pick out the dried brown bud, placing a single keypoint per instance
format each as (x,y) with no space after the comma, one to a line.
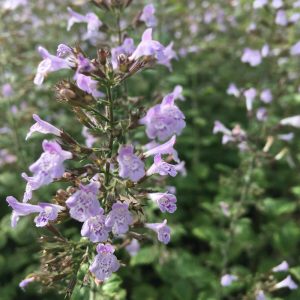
(70,93)
(103,55)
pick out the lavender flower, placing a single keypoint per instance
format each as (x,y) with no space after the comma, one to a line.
(47,212)
(166,148)
(162,229)
(148,47)
(7,90)
(42,127)
(148,16)
(252,57)
(260,296)
(266,96)
(295,49)
(93,22)
(161,167)
(48,167)
(265,50)
(130,165)
(227,279)
(95,229)
(277,4)
(105,262)
(89,138)
(177,93)
(291,121)
(89,85)
(50,63)
(259,3)
(126,48)
(164,120)
(284,266)
(286,283)
(233,90)
(281,18)
(25,282)
(133,248)
(165,201)
(84,203)
(286,137)
(119,218)
(250,95)
(169,54)
(262,114)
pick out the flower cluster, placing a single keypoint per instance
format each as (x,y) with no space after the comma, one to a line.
(106,193)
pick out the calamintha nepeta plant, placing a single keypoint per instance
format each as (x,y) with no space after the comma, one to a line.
(108,185)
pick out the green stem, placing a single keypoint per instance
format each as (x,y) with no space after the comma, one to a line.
(110,117)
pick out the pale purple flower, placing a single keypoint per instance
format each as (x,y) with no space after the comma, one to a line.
(225,208)
(177,93)
(266,96)
(87,84)
(162,229)
(262,114)
(105,262)
(148,47)
(42,127)
(180,168)
(219,127)
(286,137)
(282,267)
(260,296)
(165,201)
(250,95)
(7,90)
(89,138)
(23,284)
(126,48)
(296,4)
(281,18)
(227,279)
(84,65)
(6,157)
(166,148)
(277,3)
(64,51)
(46,211)
(84,203)
(94,228)
(259,3)
(130,165)
(164,120)
(286,283)
(133,248)
(48,167)
(265,50)
(161,167)
(291,121)
(50,63)
(252,57)
(294,18)
(93,22)
(295,49)
(148,16)
(119,218)
(169,54)
(13,4)
(233,90)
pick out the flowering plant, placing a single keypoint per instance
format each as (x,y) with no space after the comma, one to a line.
(105,184)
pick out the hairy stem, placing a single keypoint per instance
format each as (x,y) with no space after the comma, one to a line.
(110,117)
